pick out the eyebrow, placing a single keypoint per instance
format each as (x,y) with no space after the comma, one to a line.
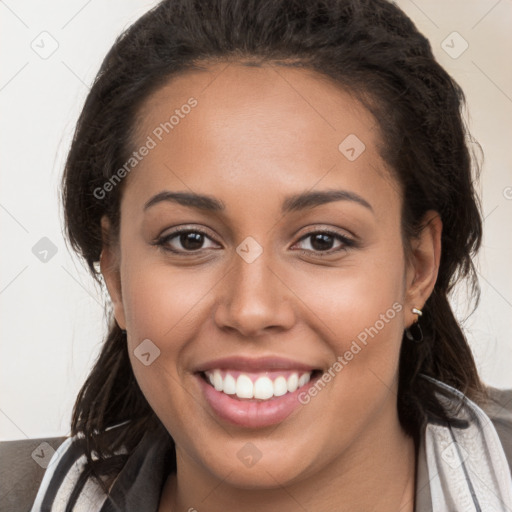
(294,203)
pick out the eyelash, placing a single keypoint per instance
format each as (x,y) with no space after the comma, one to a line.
(164,240)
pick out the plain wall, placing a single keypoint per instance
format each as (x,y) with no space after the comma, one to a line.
(52,315)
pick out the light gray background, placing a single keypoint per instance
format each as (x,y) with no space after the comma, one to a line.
(52,314)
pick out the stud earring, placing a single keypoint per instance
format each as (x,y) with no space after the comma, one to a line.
(414,332)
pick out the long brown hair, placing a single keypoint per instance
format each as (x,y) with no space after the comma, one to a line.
(369,47)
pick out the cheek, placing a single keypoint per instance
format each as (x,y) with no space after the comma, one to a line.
(161,301)
(164,305)
(351,300)
(358,311)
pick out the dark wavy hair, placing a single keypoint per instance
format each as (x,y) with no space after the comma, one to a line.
(371,49)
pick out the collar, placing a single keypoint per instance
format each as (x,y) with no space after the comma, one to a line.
(139,484)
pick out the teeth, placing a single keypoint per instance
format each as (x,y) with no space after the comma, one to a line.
(280,386)
(260,388)
(304,379)
(229,386)
(217,380)
(293,382)
(244,387)
(263,388)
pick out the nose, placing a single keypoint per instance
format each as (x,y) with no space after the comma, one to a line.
(255,299)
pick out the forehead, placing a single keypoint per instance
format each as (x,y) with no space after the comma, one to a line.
(256,129)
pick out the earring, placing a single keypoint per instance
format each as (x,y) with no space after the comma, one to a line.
(414,332)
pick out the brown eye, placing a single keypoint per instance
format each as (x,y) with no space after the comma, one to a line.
(182,241)
(323,241)
(191,241)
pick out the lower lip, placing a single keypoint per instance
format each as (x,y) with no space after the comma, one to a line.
(248,413)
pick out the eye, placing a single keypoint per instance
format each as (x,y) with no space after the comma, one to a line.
(322,242)
(190,240)
(187,241)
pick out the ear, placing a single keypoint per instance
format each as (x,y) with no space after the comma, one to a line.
(109,265)
(423,264)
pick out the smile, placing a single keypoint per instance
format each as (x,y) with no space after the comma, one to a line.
(258,386)
(257,394)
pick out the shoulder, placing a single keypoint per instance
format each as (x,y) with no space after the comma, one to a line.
(65,480)
(499,410)
(62,477)
(67,484)
(468,459)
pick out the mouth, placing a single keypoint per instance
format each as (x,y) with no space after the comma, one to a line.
(257,386)
(254,399)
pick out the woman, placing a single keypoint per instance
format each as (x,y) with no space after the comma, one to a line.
(279,196)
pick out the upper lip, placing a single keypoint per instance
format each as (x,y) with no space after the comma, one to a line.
(248,364)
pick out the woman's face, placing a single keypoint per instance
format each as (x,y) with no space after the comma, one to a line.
(255,297)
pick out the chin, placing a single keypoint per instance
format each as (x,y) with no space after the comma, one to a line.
(268,472)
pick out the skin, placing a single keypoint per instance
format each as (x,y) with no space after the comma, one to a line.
(257,135)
